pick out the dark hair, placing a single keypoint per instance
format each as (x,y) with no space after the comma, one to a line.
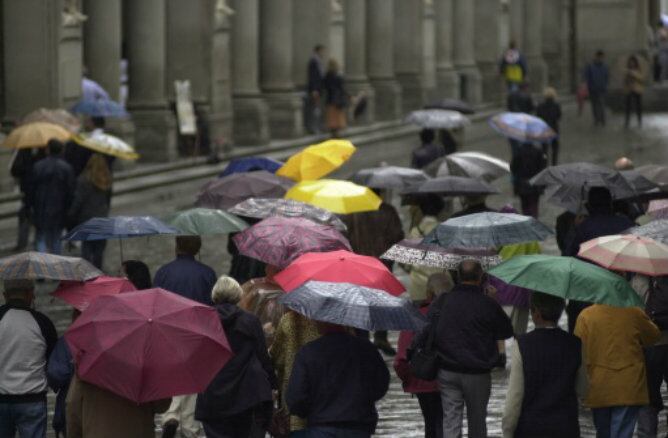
(547,306)
(427,136)
(469,270)
(138,274)
(189,245)
(512,44)
(599,199)
(98,122)
(318,47)
(430,204)
(600,53)
(633,62)
(55,147)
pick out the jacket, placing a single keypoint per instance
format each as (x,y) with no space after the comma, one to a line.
(410,383)
(520,102)
(634,81)
(372,233)
(88,202)
(597,77)
(550,111)
(425,154)
(527,162)
(419,275)
(50,194)
(59,373)
(597,225)
(613,339)
(314,75)
(187,277)
(335,93)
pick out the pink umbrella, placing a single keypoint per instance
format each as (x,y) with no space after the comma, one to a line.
(628,253)
(80,294)
(148,345)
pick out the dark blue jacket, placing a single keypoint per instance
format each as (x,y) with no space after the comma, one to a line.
(187,277)
(59,372)
(51,188)
(597,76)
(597,225)
(425,154)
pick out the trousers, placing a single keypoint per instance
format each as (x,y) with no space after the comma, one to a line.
(616,421)
(182,410)
(28,419)
(598,107)
(459,390)
(432,412)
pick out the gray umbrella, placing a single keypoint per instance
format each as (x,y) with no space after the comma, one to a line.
(656,173)
(438,119)
(487,230)
(471,164)
(353,306)
(453,186)
(413,252)
(262,208)
(657,230)
(389,177)
(451,104)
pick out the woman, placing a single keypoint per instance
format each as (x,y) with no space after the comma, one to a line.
(550,111)
(92,198)
(138,274)
(634,81)
(336,99)
(241,393)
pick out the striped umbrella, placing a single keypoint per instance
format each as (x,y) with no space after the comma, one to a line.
(628,253)
(35,265)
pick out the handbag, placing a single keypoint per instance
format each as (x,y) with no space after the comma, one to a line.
(425,360)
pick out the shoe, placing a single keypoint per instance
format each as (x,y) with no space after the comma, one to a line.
(169,429)
(384,346)
(501,361)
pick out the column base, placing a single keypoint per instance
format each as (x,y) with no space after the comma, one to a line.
(537,76)
(155,134)
(250,120)
(413,94)
(388,98)
(359,88)
(220,131)
(470,84)
(285,115)
(447,83)
(492,86)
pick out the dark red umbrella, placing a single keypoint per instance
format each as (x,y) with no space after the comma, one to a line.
(148,345)
(79,294)
(228,191)
(279,240)
(339,267)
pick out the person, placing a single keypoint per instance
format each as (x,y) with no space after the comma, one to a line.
(550,111)
(448,141)
(336,99)
(634,81)
(21,169)
(519,100)
(597,77)
(260,297)
(527,163)
(612,343)
(52,184)
(92,198)
(513,67)
(59,372)
(315,73)
(335,383)
(91,90)
(138,273)
(472,204)
(428,151)
(241,392)
(76,155)
(243,268)
(28,338)
(662,45)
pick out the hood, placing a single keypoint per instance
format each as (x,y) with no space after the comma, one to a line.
(228,313)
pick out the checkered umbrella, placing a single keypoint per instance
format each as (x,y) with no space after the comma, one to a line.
(353,306)
(657,230)
(262,208)
(412,252)
(36,265)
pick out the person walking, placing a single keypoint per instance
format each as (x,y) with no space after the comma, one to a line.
(547,376)
(527,162)
(597,76)
(513,67)
(519,100)
(138,273)
(550,111)
(314,74)
(336,99)
(634,86)
(428,150)
(59,372)
(21,170)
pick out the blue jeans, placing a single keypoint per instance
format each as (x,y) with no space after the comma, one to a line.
(48,240)
(616,421)
(28,419)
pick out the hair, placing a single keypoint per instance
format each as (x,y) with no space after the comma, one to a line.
(512,44)
(549,93)
(333,65)
(97,172)
(138,274)
(54,147)
(547,306)
(318,47)
(98,122)
(468,201)
(599,199)
(226,290)
(469,271)
(600,53)
(430,204)
(427,135)
(438,283)
(632,62)
(189,245)
(18,288)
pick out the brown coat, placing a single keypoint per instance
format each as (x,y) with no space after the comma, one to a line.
(93,412)
(373,232)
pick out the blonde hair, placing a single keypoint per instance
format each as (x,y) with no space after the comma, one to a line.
(226,290)
(550,93)
(97,172)
(333,65)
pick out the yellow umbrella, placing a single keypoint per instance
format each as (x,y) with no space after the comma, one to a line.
(108,145)
(317,160)
(56,116)
(341,197)
(35,135)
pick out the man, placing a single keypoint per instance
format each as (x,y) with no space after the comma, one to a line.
(613,339)
(315,75)
(21,170)
(597,77)
(520,100)
(335,383)
(546,377)
(513,67)
(468,324)
(28,337)
(189,278)
(428,151)
(528,160)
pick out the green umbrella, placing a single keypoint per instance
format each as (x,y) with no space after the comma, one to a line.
(205,221)
(569,278)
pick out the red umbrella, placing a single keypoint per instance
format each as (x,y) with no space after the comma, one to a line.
(80,294)
(339,267)
(148,345)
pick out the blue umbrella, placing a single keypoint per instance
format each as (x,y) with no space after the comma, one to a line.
(249,164)
(522,127)
(100,108)
(118,227)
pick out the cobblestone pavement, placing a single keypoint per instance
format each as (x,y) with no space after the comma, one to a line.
(399,413)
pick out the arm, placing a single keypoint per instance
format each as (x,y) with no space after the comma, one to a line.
(514,395)
(581,379)
(649,332)
(401,365)
(297,394)
(381,375)
(504,328)
(80,193)
(59,369)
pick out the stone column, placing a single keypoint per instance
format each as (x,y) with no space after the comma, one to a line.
(357,81)
(464,51)
(553,53)
(517,22)
(312,20)
(220,117)
(380,59)
(487,17)
(533,44)
(408,23)
(155,124)
(102,43)
(447,79)
(429,51)
(250,112)
(285,116)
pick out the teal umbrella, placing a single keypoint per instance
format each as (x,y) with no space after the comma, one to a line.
(205,221)
(569,278)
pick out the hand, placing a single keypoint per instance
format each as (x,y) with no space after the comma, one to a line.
(490,291)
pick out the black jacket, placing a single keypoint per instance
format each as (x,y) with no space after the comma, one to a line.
(247,378)
(335,93)
(527,162)
(425,154)
(550,112)
(50,194)
(89,202)
(314,75)
(521,102)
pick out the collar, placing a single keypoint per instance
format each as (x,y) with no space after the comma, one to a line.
(185,256)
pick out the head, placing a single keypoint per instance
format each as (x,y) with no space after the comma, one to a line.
(54,147)
(512,45)
(19,291)
(97,172)
(427,136)
(550,93)
(226,291)
(188,245)
(633,62)
(138,274)
(470,201)
(319,50)
(624,163)
(430,204)
(438,283)
(599,200)
(470,272)
(599,56)
(333,65)
(92,123)
(546,309)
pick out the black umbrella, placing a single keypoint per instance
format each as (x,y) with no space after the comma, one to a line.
(656,173)
(389,177)
(453,186)
(451,104)
(228,191)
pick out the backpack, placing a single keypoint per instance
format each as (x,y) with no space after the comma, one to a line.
(657,302)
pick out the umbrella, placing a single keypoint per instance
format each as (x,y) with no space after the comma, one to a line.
(413,252)
(522,127)
(232,189)
(58,116)
(279,240)
(657,230)
(568,278)
(205,221)
(133,344)
(451,104)
(35,135)
(656,173)
(487,230)
(453,186)
(80,294)
(248,164)
(317,160)
(628,253)
(37,265)
(262,208)
(340,267)
(658,209)
(118,227)
(470,164)
(352,305)
(438,119)
(106,144)
(341,197)
(100,108)
(389,177)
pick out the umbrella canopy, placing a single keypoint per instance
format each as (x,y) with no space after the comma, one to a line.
(568,278)
(106,144)
(522,127)
(453,186)
(451,104)
(657,230)
(118,227)
(389,177)
(317,160)
(340,267)
(487,230)
(628,253)
(205,221)
(341,197)
(133,344)
(80,294)
(248,164)
(658,209)
(438,119)
(230,190)
(36,265)
(656,173)
(58,116)
(413,252)
(279,240)
(262,208)
(35,135)
(352,305)
(470,164)
(100,108)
